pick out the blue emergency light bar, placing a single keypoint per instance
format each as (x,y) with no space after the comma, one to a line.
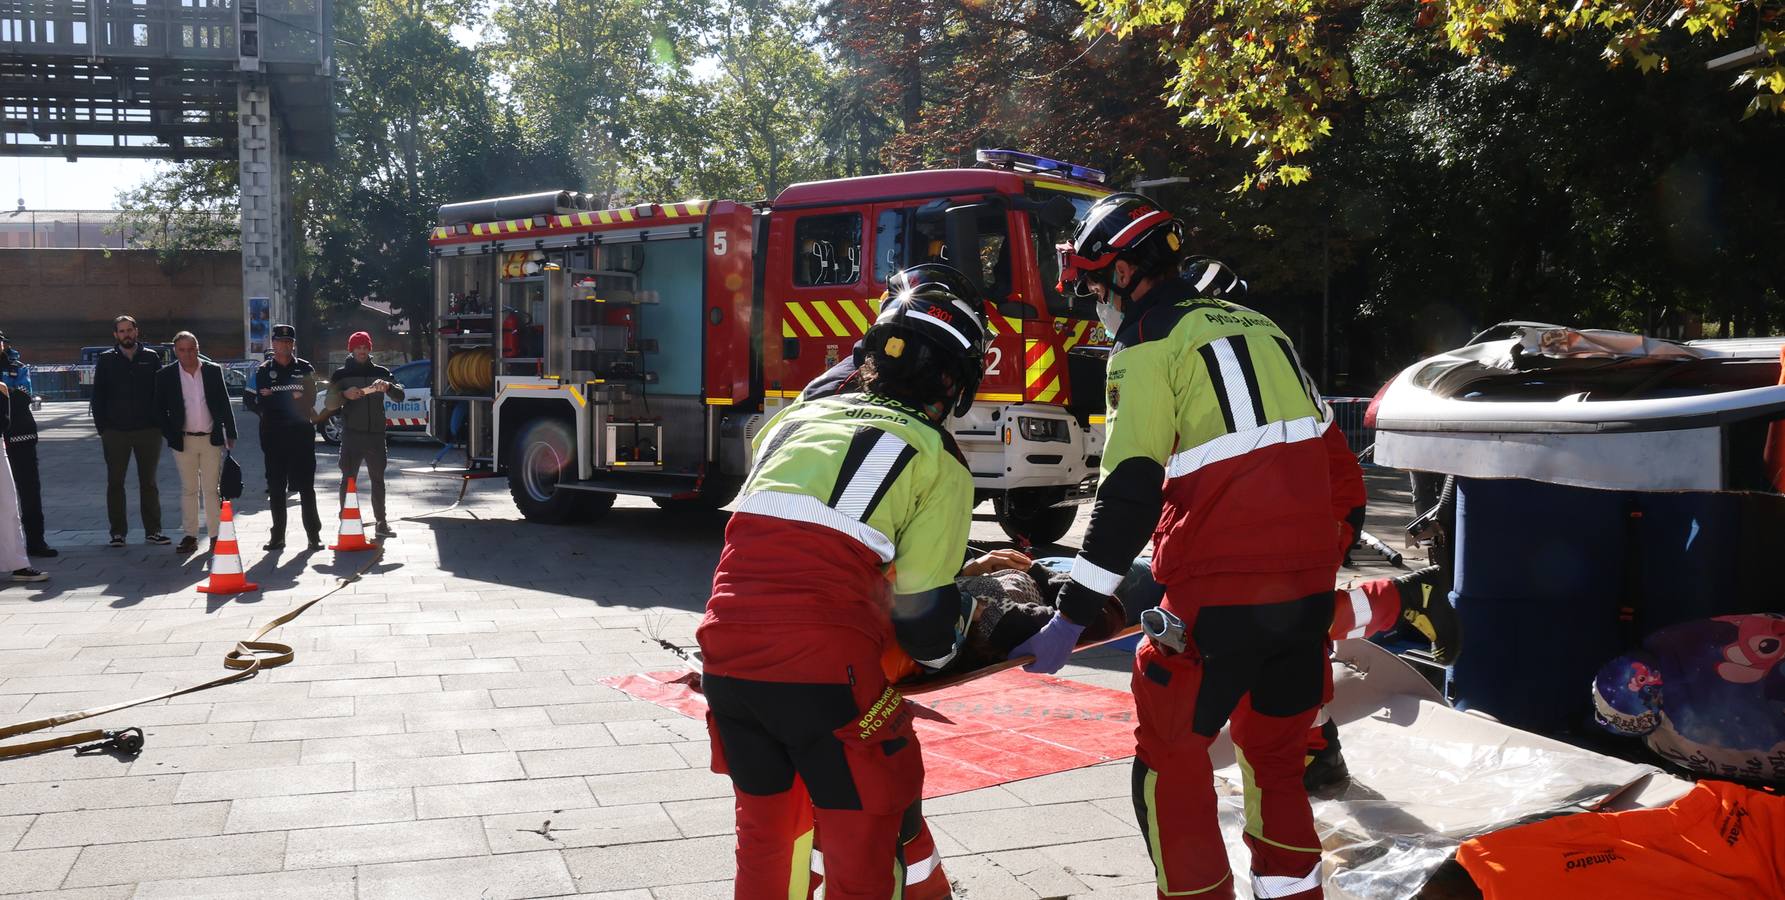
(1029,162)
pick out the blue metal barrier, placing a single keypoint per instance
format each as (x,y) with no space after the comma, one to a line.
(62,382)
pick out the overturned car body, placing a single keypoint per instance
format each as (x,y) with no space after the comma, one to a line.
(1595,409)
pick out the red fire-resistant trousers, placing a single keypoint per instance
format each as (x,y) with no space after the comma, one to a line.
(1265,667)
(839,759)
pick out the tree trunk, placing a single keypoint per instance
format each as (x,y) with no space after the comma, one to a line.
(772,183)
(911,107)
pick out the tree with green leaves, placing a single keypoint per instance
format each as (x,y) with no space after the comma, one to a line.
(1549,186)
(587,76)
(750,122)
(1272,74)
(774,80)
(185,207)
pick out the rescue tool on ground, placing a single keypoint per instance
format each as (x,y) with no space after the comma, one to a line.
(636,350)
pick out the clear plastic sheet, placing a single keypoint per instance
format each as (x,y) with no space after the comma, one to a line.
(1424,778)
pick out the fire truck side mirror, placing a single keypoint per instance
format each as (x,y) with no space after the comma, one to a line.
(1017,309)
(1054,212)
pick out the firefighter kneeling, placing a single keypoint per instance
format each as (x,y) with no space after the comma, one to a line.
(847,536)
(1215,436)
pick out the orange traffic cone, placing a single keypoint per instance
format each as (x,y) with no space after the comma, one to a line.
(226,560)
(353,533)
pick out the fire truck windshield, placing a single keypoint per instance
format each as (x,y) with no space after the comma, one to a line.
(991,233)
(1046,237)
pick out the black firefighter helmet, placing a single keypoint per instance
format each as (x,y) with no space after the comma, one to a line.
(932,316)
(1119,226)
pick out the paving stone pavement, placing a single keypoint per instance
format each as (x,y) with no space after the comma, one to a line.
(442,732)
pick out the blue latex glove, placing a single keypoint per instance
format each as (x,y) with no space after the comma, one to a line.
(1050,646)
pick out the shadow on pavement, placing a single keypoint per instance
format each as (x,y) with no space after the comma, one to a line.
(633,556)
(344,565)
(149,573)
(271,575)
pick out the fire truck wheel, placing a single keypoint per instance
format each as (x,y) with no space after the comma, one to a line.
(1030,516)
(542,457)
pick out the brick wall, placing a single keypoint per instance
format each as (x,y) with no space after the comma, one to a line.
(54,302)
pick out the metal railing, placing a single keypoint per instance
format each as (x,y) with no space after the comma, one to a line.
(62,382)
(1348,414)
(291,31)
(68,229)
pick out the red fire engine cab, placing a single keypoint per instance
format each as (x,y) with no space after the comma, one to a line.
(593,352)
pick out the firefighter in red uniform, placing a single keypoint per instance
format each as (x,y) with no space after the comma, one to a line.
(1214,434)
(848,534)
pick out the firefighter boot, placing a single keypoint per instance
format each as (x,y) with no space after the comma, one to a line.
(1325,764)
(1430,613)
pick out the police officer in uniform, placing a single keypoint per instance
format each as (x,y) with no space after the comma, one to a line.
(287,388)
(21,448)
(847,537)
(1215,449)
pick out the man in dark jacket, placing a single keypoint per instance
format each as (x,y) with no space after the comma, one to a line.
(21,447)
(286,386)
(124,412)
(358,389)
(199,426)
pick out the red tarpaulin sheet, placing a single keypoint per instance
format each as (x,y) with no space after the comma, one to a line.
(998,729)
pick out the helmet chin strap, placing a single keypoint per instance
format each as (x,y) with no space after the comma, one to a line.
(1125,293)
(958,401)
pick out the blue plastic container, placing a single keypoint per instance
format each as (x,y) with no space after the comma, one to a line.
(1689,563)
(1545,574)
(1539,579)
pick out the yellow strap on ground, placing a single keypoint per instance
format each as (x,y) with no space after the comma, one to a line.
(248,657)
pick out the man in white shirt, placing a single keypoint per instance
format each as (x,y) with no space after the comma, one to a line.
(199,424)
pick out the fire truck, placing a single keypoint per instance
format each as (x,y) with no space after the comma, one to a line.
(586,353)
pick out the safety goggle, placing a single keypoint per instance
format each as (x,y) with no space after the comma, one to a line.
(1076,272)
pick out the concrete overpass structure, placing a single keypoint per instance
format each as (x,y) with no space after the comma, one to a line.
(251,80)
